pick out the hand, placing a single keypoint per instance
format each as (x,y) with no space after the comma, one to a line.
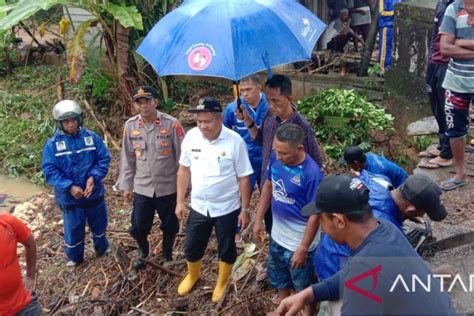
(76,192)
(245,116)
(244,219)
(239,114)
(258,230)
(180,211)
(355,173)
(29,283)
(128,196)
(291,305)
(300,256)
(417,219)
(89,187)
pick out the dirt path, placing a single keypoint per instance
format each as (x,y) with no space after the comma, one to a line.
(459,204)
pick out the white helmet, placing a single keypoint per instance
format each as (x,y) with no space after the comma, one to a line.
(67,109)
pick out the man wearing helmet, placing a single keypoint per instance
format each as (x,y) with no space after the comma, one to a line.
(75,161)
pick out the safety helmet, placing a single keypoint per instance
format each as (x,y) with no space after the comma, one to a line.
(67,109)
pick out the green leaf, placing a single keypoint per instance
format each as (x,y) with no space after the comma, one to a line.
(77,52)
(127,16)
(24,10)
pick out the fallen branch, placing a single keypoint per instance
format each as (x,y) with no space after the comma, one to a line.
(171,272)
(243,301)
(101,125)
(141,311)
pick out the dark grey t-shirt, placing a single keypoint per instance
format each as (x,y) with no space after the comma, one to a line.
(378,279)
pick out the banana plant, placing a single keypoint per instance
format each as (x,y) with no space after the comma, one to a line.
(126,16)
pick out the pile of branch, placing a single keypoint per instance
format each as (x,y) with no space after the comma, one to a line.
(110,286)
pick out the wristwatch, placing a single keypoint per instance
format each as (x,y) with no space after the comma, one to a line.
(245,209)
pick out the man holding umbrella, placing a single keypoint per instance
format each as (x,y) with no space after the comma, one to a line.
(216,160)
(282,111)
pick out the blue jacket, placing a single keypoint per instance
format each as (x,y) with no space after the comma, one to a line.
(387,12)
(71,160)
(330,256)
(379,165)
(230,121)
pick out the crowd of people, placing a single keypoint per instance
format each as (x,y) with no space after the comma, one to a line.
(324,230)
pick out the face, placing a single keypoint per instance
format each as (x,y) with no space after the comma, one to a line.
(70,126)
(278,104)
(250,92)
(469,7)
(411,211)
(209,124)
(287,154)
(356,166)
(146,107)
(333,225)
(345,16)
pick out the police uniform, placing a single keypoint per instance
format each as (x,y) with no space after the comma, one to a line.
(148,166)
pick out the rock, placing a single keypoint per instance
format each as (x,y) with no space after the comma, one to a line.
(425,126)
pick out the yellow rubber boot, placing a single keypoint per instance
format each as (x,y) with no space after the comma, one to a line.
(194,272)
(225,269)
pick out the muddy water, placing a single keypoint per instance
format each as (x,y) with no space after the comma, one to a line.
(17,191)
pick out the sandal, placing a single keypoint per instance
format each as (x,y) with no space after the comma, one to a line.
(451,184)
(427,165)
(428,153)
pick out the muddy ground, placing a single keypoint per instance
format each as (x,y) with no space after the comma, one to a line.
(109,286)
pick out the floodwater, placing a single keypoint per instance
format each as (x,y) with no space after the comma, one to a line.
(17,190)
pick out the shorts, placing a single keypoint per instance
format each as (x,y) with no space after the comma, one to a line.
(280,274)
(456,108)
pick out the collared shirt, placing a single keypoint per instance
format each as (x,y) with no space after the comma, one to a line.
(267,132)
(150,154)
(215,168)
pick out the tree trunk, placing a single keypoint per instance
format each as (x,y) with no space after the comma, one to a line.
(126,82)
(371,39)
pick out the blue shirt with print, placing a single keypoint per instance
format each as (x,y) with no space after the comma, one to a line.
(292,188)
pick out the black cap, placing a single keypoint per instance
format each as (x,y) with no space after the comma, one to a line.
(352,154)
(145,92)
(424,193)
(208,104)
(339,193)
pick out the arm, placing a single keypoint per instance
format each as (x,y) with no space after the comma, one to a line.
(228,116)
(263,205)
(311,145)
(254,130)
(30,255)
(450,49)
(182,183)
(178,136)
(54,176)
(100,169)
(300,256)
(327,290)
(465,43)
(127,166)
(244,185)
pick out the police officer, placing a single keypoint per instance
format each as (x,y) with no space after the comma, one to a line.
(75,161)
(148,164)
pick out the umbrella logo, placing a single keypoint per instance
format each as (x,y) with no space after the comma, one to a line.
(199,58)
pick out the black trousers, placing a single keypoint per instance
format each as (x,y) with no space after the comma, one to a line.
(434,84)
(143,213)
(199,229)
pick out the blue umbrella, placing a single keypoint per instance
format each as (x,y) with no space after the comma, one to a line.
(230,38)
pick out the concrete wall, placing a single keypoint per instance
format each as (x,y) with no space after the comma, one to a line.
(78,16)
(405,80)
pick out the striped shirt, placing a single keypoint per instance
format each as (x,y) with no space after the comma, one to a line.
(267,132)
(460,74)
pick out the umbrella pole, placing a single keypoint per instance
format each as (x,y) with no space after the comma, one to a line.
(236,90)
